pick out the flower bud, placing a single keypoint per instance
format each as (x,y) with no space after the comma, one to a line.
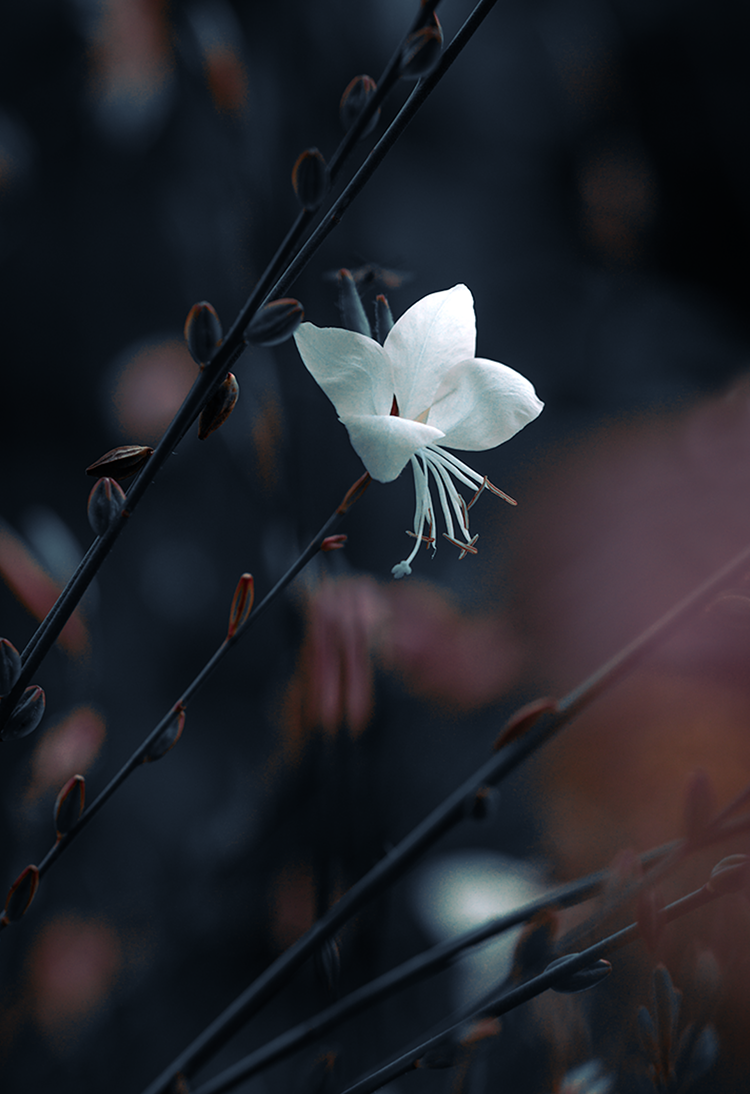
(333,543)
(355,98)
(581,979)
(203,332)
(69,804)
(26,715)
(275,322)
(350,305)
(120,463)
(168,737)
(20,895)
(242,604)
(383,318)
(730,875)
(10,665)
(219,407)
(106,502)
(422,51)
(310,179)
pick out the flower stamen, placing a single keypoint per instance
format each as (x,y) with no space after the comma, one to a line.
(464,548)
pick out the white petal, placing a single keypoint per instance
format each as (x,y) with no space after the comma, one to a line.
(480,404)
(353,370)
(386,444)
(433,335)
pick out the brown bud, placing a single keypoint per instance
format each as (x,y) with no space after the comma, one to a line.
(219,407)
(242,604)
(20,895)
(203,332)
(355,98)
(168,737)
(120,463)
(422,51)
(26,716)
(69,804)
(10,665)
(275,322)
(310,178)
(106,502)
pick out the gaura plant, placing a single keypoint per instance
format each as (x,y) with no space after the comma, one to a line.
(420,393)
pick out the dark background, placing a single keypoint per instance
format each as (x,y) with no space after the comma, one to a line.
(584,168)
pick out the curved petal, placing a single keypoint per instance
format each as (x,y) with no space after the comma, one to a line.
(353,370)
(386,444)
(480,404)
(433,335)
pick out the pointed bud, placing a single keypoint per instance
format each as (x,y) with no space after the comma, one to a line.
(275,322)
(383,318)
(422,50)
(242,604)
(203,332)
(350,305)
(333,543)
(354,493)
(106,502)
(355,98)
(10,665)
(730,875)
(219,407)
(120,463)
(26,716)
(168,737)
(581,979)
(21,893)
(69,804)
(310,179)
(522,721)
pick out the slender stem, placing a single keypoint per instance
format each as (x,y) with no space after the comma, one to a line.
(204,386)
(515,997)
(449,813)
(137,758)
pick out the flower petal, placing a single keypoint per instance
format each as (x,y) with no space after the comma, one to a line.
(433,335)
(386,444)
(480,404)
(353,370)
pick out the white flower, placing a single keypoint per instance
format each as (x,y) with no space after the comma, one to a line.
(421,392)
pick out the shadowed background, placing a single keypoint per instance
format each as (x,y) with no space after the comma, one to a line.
(583,168)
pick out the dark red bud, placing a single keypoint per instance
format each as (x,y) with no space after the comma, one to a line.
(219,407)
(522,721)
(421,51)
(242,604)
(383,318)
(120,463)
(10,665)
(356,96)
(275,322)
(203,332)
(168,737)
(26,715)
(20,895)
(69,804)
(333,543)
(310,178)
(106,502)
